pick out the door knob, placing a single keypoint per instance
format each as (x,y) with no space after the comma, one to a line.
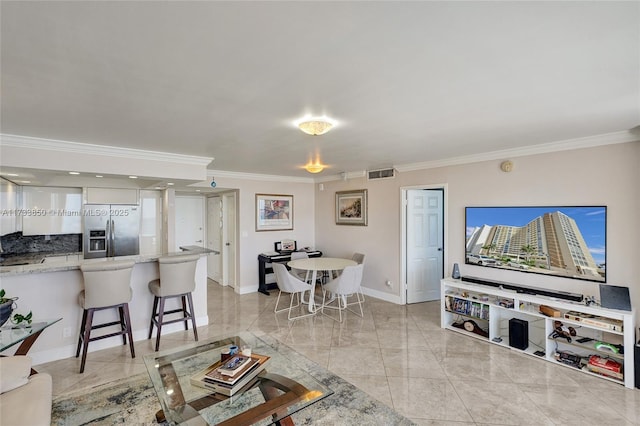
(198,241)
(227,244)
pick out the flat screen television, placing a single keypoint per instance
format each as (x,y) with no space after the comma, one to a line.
(562,241)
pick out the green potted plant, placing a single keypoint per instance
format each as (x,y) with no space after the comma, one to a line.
(7,305)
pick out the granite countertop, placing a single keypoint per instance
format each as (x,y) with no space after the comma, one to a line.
(35,262)
(31,258)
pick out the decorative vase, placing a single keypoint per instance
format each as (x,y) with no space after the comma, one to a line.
(5,310)
(456,272)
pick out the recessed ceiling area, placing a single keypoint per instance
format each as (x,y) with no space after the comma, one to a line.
(408,82)
(38,177)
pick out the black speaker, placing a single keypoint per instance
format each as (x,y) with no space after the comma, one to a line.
(518,333)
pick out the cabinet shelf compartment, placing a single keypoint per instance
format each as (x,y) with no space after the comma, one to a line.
(584,368)
(594,322)
(588,347)
(471,326)
(470,308)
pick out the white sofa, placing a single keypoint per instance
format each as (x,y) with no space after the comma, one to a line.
(25,399)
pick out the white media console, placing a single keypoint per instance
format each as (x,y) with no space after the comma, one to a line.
(595,340)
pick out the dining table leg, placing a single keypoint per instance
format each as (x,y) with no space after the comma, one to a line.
(312,295)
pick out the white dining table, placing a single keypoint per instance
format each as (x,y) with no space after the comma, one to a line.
(315,264)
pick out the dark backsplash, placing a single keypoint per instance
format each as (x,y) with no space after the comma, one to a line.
(17,244)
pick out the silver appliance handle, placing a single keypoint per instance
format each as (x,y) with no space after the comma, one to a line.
(107,239)
(112,237)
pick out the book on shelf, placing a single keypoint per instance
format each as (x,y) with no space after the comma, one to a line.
(212,378)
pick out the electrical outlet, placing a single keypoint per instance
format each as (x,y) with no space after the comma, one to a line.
(66,332)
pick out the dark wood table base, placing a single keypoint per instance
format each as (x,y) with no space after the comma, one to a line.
(278,391)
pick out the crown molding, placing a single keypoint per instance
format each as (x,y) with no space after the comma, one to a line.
(569,144)
(91,149)
(255,176)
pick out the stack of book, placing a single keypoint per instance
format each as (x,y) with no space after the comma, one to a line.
(230,376)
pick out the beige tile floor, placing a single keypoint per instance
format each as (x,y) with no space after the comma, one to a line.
(401,356)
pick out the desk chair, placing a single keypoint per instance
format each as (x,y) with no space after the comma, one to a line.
(107,285)
(346,285)
(288,283)
(358,258)
(177,280)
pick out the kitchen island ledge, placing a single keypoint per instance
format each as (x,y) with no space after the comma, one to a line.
(73,264)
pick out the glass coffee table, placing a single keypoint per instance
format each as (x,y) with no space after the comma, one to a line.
(25,334)
(280,390)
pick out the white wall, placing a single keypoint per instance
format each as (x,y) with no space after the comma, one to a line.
(250,242)
(606,175)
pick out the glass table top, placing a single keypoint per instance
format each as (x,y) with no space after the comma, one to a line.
(11,334)
(182,402)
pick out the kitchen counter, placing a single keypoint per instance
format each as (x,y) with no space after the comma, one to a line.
(50,289)
(37,262)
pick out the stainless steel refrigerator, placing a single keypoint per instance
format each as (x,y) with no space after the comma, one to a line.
(111,230)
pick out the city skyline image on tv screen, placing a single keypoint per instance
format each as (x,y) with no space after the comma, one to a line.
(564,241)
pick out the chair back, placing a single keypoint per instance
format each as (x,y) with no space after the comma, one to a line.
(348,282)
(299,255)
(177,274)
(358,257)
(287,282)
(106,283)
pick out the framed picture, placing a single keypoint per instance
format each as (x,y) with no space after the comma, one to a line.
(274,212)
(351,207)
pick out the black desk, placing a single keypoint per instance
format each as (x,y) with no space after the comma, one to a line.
(264,268)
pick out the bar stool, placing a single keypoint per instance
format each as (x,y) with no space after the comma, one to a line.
(177,279)
(107,285)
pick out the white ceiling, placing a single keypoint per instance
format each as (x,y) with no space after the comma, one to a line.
(408,82)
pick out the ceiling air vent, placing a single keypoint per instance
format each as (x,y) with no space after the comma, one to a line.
(381,174)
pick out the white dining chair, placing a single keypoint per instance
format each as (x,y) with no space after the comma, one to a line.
(356,257)
(288,283)
(303,275)
(341,288)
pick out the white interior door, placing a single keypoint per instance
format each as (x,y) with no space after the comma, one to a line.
(229,239)
(424,244)
(214,238)
(189,221)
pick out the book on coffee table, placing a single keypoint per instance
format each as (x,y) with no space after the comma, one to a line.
(212,377)
(235,365)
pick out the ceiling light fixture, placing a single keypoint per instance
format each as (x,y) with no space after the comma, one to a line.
(74,173)
(315,126)
(314,167)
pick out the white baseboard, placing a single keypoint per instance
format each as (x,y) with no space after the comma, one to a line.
(392,298)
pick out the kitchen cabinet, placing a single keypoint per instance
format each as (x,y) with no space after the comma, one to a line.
(112,196)
(51,210)
(9,205)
